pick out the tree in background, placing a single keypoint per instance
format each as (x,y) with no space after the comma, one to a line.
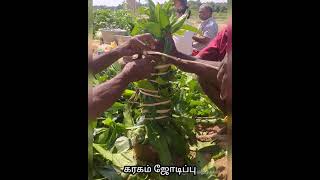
(217,7)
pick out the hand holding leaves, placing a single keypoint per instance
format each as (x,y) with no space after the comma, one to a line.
(138,69)
(137,44)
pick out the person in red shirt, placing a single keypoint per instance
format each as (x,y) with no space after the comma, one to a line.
(216,49)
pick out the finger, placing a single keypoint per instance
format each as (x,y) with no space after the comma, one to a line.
(148,41)
(223,92)
(127,59)
(152,58)
(140,41)
(221,72)
(147,57)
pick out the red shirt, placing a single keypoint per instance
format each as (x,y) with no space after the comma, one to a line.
(216,49)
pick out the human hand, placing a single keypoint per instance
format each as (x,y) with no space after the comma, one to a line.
(139,69)
(137,44)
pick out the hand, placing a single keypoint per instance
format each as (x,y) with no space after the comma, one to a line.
(161,45)
(163,58)
(137,44)
(224,76)
(125,60)
(138,69)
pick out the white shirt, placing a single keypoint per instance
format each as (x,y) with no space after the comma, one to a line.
(208,28)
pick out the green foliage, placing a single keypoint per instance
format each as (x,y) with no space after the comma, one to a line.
(159,24)
(111,19)
(158,140)
(189,99)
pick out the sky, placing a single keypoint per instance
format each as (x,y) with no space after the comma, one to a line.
(117,2)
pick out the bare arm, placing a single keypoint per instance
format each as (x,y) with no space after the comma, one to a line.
(211,89)
(191,64)
(105,94)
(192,58)
(200,68)
(207,72)
(207,76)
(103,61)
(201,39)
(135,45)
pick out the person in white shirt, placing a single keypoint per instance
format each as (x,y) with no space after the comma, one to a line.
(208,28)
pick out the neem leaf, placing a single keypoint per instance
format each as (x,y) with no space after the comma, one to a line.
(152,10)
(119,159)
(145,84)
(154,29)
(122,144)
(157,12)
(159,142)
(180,32)
(189,28)
(127,118)
(180,21)
(164,19)
(128,93)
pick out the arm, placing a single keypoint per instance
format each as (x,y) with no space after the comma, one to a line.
(216,49)
(210,88)
(209,32)
(201,39)
(192,58)
(103,61)
(207,75)
(207,72)
(105,94)
(135,45)
(202,68)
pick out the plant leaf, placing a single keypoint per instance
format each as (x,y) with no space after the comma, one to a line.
(119,159)
(105,154)
(190,28)
(180,21)
(164,19)
(154,29)
(180,32)
(179,144)
(159,142)
(206,167)
(157,12)
(122,144)
(128,93)
(144,10)
(145,84)
(173,19)
(109,173)
(152,10)
(127,118)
